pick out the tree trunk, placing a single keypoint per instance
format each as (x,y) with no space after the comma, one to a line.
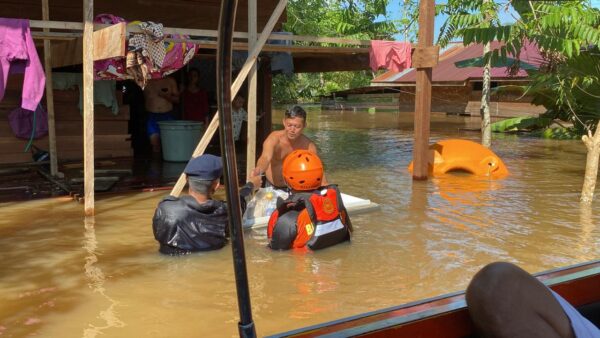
(486,129)
(592,143)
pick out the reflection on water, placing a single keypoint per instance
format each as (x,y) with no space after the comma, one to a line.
(96,281)
(429,238)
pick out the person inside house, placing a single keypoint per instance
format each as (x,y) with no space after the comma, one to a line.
(281,143)
(160,95)
(506,301)
(239,115)
(195,99)
(314,215)
(196,222)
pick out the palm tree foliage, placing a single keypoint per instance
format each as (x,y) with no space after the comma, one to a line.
(563,27)
(568,36)
(563,30)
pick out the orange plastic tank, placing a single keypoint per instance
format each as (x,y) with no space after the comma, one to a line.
(464,155)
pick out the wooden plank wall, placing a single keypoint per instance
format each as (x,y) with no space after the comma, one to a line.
(111,132)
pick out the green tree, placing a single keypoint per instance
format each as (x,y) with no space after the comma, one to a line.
(357,19)
(571,92)
(563,30)
(463,16)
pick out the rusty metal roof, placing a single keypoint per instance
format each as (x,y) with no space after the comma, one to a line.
(446,71)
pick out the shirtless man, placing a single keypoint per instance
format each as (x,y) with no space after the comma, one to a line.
(282,142)
(159,97)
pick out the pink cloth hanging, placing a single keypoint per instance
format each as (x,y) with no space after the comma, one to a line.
(19,56)
(390,55)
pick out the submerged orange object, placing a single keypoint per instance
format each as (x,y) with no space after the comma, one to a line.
(464,155)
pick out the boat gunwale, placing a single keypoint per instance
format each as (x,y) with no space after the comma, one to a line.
(434,307)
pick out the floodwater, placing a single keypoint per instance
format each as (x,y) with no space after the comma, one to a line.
(63,276)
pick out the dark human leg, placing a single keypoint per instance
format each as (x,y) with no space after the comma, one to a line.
(506,301)
(155,142)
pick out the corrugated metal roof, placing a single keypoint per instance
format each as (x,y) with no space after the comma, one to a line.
(447,72)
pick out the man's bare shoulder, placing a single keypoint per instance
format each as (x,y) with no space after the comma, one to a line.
(276,135)
(273,138)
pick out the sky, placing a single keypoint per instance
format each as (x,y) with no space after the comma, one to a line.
(395,11)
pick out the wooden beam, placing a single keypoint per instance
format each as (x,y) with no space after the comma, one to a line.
(56,24)
(426,57)
(109,42)
(308,38)
(423,93)
(235,87)
(281,48)
(49,96)
(252,86)
(266,84)
(202,32)
(45,35)
(199,32)
(330,62)
(88,106)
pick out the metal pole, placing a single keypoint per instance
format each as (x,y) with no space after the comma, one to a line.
(225,38)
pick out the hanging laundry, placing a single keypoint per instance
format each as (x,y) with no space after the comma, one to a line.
(137,68)
(104,90)
(282,61)
(391,55)
(149,56)
(149,42)
(17,56)
(178,55)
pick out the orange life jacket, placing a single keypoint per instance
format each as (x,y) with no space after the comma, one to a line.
(316,219)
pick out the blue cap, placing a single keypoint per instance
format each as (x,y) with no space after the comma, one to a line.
(204,167)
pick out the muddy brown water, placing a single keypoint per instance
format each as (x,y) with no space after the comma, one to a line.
(63,276)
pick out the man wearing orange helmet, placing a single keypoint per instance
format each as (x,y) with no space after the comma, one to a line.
(280,143)
(314,215)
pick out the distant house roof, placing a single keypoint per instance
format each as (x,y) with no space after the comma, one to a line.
(446,71)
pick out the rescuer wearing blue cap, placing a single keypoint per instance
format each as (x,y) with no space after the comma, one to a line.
(196,222)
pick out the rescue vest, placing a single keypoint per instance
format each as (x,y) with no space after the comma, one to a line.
(316,219)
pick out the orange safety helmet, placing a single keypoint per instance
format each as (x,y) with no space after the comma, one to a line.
(303,170)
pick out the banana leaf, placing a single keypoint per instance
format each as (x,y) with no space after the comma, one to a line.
(560,133)
(523,123)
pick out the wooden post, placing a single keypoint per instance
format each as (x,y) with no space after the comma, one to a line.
(266,122)
(88,105)
(423,93)
(235,87)
(49,94)
(252,84)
